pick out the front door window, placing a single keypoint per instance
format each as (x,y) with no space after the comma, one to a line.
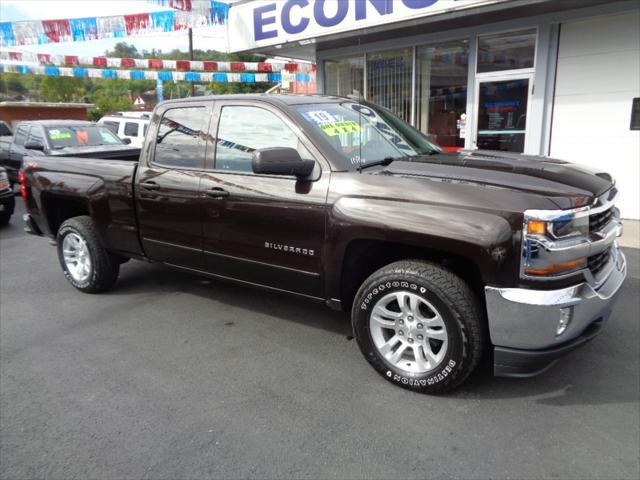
(502,114)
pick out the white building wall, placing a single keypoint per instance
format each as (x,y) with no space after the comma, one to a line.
(598,75)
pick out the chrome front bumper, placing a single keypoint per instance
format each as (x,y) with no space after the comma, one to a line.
(524,322)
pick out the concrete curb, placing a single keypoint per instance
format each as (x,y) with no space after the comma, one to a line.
(630,234)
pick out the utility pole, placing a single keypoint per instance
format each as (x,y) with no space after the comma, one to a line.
(191,86)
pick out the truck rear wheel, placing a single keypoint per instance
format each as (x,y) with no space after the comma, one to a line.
(85,262)
(419,325)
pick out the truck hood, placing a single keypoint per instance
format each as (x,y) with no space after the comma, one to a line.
(569,184)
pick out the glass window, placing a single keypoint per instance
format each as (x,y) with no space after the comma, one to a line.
(131,129)
(635,114)
(113,126)
(502,115)
(181,137)
(144,129)
(389,81)
(506,51)
(362,133)
(35,135)
(21,136)
(242,130)
(344,76)
(81,136)
(441,87)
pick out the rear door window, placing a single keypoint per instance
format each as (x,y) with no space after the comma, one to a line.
(131,129)
(181,139)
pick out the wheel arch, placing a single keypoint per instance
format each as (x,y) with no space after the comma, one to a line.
(364,256)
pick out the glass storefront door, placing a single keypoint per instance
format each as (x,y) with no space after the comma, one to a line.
(502,114)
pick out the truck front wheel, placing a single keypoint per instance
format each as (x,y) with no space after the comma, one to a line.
(85,262)
(419,325)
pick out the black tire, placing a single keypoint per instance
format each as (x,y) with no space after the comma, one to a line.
(5,218)
(458,307)
(104,268)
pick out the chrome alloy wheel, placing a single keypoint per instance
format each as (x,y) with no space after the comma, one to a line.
(408,332)
(76,257)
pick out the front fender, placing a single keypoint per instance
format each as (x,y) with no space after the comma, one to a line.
(486,239)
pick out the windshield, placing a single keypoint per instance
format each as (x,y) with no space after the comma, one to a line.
(364,133)
(81,136)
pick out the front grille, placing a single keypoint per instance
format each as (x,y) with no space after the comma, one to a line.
(597,262)
(597,221)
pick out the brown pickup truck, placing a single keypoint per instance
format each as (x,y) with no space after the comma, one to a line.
(439,257)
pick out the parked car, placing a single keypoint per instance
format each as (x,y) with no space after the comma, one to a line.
(7,199)
(439,257)
(128,125)
(61,138)
(5,130)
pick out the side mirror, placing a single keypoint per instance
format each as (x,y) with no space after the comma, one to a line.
(126,141)
(31,145)
(281,161)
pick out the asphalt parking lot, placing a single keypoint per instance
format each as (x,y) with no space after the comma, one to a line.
(171,376)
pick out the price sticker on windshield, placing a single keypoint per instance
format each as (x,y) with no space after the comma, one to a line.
(58,135)
(339,128)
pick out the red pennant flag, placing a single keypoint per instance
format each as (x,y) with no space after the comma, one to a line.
(57,30)
(136,23)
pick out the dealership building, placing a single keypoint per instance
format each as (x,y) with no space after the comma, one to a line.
(559,78)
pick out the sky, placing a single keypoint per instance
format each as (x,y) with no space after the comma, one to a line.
(18,10)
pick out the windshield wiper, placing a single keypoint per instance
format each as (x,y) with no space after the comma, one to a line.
(384,162)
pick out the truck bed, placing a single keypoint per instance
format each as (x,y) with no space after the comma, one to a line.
(102,188)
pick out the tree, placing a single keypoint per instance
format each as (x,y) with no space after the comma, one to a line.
(61,89)
(110,96)
(123,50)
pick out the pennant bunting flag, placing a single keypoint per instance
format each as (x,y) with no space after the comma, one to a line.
(163,75)
(153,63)
(186,14)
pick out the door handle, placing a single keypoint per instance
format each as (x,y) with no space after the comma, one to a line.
(150,186)
(217,192)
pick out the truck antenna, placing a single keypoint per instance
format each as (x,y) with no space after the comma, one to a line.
(359,98)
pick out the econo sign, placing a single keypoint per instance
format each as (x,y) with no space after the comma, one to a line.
(272,22)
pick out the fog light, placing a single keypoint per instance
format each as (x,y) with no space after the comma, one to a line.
(565,320)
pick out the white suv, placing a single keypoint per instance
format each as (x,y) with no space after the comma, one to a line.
(131,125)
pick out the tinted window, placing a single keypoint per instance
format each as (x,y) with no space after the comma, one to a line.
(113,126)
(5,130)
(21,136)
(181,137)
(81,136)
(131,129)
(635,114)
(144,129)
(506,51)
(35,135)
(245,129)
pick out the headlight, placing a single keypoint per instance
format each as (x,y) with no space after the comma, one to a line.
(565,227)
(549,240)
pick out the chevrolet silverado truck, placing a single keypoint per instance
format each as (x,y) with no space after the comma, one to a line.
(76,138)
(440,257)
